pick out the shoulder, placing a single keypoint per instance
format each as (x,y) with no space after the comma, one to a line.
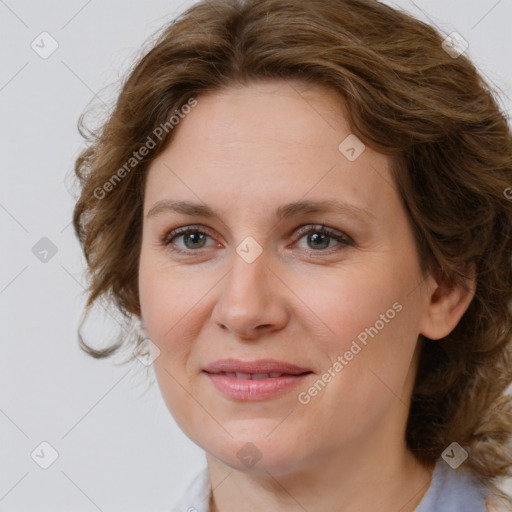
(453,490)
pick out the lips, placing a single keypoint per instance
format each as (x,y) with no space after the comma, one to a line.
(252,376)
(269,367)
(254,380)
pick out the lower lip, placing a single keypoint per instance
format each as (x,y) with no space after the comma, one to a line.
(259,389)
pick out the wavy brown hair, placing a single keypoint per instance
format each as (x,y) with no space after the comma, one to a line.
(434,115)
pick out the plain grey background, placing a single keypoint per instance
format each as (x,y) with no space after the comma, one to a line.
(118,447)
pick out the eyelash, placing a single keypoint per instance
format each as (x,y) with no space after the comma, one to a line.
(303,230)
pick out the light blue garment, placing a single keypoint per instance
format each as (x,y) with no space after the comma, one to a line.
(452,491)
(449,491)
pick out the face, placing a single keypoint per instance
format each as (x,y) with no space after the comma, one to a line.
(287,307)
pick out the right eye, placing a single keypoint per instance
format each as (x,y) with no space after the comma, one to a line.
(193,238)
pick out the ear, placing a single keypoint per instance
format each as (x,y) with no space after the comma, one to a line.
(446,303)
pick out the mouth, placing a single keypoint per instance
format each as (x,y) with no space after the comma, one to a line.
(254,380)
(256,376)
(267,367)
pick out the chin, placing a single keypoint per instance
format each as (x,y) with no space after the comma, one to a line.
(253,450)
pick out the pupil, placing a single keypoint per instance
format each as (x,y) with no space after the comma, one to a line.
(316,236)
(191,236)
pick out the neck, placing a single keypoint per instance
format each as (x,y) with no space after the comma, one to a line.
(387,480)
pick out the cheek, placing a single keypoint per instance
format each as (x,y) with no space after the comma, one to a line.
(370,345)
(167,298)
(167,307)
(172,306)
(349,303)
(371,321)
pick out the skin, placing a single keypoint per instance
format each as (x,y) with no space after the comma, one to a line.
(244,151)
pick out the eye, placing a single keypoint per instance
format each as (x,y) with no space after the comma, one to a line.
(318,237)
(193,238)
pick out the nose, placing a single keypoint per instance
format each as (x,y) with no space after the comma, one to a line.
(252,300)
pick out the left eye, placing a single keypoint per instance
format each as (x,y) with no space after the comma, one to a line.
(320,237)
(195,238)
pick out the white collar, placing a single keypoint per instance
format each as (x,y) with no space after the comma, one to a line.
(197,495)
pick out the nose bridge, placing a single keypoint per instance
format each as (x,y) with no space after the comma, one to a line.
(247,282)
(248,266)
(249,297)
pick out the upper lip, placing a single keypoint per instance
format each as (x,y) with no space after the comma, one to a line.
(259,366)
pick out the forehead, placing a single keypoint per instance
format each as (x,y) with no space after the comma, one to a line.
(266,143)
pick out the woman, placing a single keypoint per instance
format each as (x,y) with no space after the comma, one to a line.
(304,206)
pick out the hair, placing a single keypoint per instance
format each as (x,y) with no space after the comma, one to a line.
(433,114)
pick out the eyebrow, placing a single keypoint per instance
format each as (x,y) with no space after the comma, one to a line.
(285,211)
